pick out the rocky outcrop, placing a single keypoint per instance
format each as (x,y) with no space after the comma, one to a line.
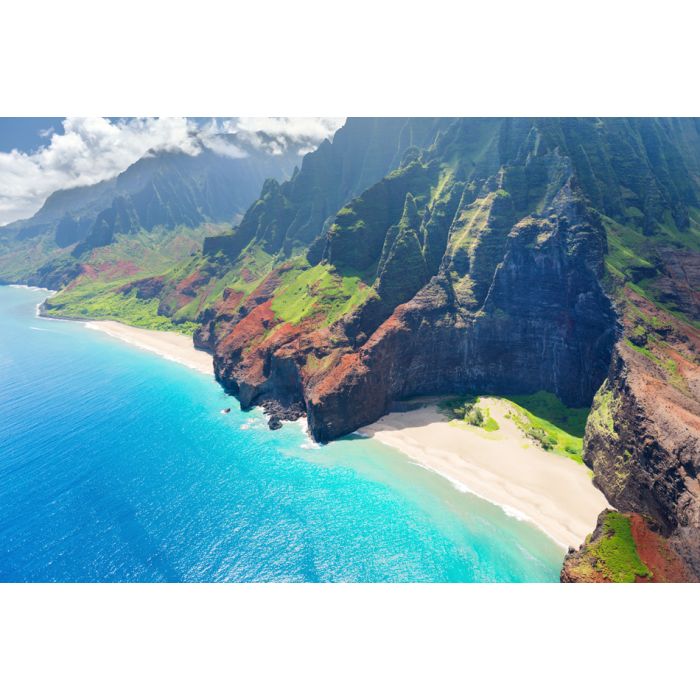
(484,255)
(643,435)
(679,285)
(625,548)
(146,288)
(503,259)
(544,323)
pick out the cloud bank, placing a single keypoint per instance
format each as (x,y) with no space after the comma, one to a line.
(94,149)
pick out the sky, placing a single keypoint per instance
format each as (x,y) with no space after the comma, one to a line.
(41,155)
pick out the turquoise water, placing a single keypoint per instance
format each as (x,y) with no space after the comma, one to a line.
(117,465)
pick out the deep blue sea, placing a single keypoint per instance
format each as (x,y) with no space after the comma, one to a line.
(117,465)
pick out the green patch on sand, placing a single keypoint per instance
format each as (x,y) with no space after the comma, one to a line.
(550,423)
(466,410)
(542,417)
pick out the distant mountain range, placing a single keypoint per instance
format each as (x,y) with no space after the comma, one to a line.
(162,189)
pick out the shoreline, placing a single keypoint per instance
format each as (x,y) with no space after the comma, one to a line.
(169,345)
(33,288)
(552,492)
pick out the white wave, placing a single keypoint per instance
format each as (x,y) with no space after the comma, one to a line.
(252,424)
(309,444)
(33,289)
(463,488)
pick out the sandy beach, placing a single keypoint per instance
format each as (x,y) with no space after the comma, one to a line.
(504,467)
(172,346)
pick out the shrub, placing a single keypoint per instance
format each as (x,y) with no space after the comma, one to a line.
(475,416)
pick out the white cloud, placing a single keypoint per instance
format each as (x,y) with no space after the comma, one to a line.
(93,149)
(278,134)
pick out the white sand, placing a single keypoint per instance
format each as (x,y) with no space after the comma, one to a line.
(172,346)
(503,467)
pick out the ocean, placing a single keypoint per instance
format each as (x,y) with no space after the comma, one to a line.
(117,465)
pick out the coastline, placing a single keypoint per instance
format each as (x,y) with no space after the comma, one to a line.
(169,345)
(31,287)
(413,527)
(554,493)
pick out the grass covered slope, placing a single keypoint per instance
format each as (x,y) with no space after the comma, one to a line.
(625,548)
(663,267)
(541,417)
(610,554)
(317,291)
(100,301)
(122,281)
(554,426)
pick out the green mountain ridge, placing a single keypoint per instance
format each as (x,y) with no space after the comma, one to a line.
(160,192)
(508,256)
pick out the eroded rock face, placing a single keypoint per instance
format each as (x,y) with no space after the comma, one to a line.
(643,437)
(639,555)
(486,255)
(146,288)
(679,286)
(544,323)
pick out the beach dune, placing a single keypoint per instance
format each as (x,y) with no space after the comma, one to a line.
(504,467)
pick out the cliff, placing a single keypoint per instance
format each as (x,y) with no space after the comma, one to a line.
(643,436)
(507,256)
(427,256)
(625,548)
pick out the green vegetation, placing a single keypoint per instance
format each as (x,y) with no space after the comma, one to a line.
(627,251)
(153,251)
(668,365)
(633,259)
(20,259)
(542,417)
(95,301)
(465,408)
(317,291)
(550,423)
(96,293)
(250,268)
(208,277)
(615,554)
(477,244)
(475,416)
(601,418)
(457,406)
(490,424)
(359,230)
